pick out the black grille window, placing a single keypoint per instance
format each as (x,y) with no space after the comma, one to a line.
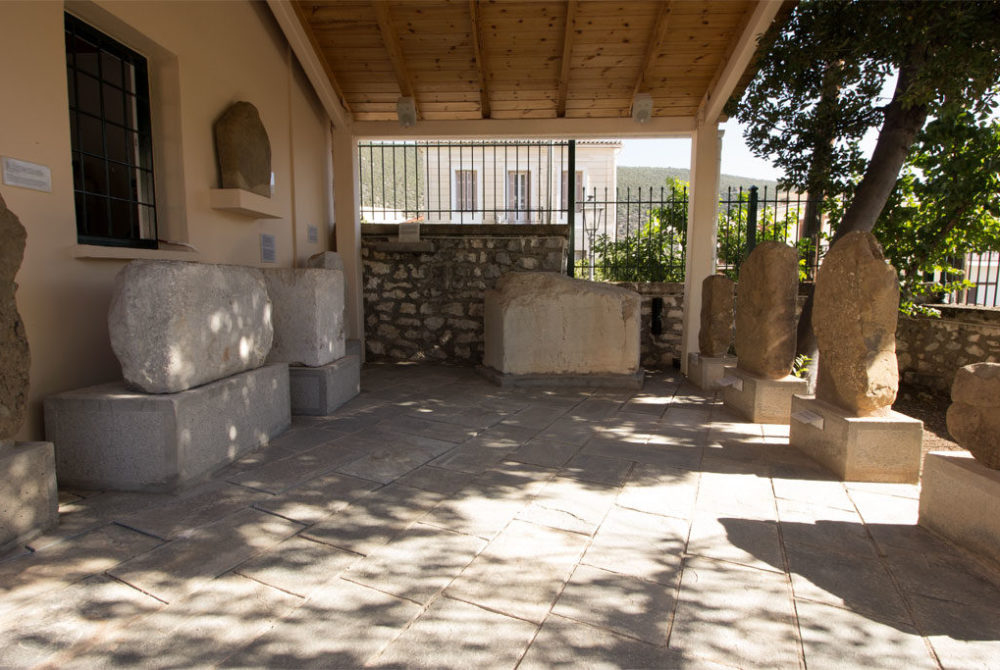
(112,146)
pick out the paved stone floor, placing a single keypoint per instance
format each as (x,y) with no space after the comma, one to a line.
(437,521)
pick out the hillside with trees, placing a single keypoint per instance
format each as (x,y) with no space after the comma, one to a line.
(656,177)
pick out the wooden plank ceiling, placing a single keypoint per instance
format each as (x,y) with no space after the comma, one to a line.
(511,59)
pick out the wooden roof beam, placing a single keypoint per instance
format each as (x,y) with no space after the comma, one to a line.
(732,67)
(390,39)
(567,51)
(657,33)
(294,23)
(479,47)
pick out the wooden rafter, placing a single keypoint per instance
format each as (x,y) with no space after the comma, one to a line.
(479,47)
(390,40)
(567,51)
(657,33)
(303,17)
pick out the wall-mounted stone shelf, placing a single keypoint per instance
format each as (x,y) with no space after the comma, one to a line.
(243,202)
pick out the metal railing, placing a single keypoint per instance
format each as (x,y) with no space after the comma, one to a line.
(982,271)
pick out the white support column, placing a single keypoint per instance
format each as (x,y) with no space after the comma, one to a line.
(347,229)
(703,205)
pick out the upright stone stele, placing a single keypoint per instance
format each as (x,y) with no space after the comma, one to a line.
(760,386)
(959,493)
(243,150)
(849,426)
(28,497)
(715,335)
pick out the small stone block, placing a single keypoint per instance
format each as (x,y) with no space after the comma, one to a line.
(109,437)
(758,399)
(706,371)
(859,449)
(960,499)
(320,391)
(28,498)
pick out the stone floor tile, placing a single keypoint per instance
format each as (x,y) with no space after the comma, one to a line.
(191,509)
(947,574)
(342,626)
(281,475)
(418,563)
(647,404)
(521,572)
(816,492)
(963,637)
(911,491)
(317,498)
(474,513)
(619,603)
(598,469)
(49,628)
(579,506)
(57,566)
(454,634)
(411,425)
(858,583)
(384,463)
(302,438)
(885,508)
(736,615)
(687,416)
(438,480)
(298,566)
(595,409)
(93,509)
(198,631)
(641,545)
(563,643)
(739,495)
(472,457)
(473,417)
(827,528)
(750,542)
(835,638)
(685,457)
(507,435)
(349,425)
(545,452)
(659,490)
(183,565)
(570,430)
(680,434)
(536,416)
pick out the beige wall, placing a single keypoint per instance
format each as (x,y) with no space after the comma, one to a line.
(203,56)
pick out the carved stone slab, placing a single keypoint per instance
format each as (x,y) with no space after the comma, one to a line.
(717,302)
(243,150)
(15,358)
(765,310)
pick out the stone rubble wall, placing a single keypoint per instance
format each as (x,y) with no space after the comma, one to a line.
(930,351)
(424,301)
(659,352)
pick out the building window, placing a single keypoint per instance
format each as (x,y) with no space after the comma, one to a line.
(564,191)
(465,190)
(518,196)
(111,139)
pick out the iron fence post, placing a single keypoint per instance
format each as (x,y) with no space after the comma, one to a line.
(752,220)
(571,206)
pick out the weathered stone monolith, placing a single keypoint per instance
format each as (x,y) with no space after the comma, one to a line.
(327,260)
(243,150)
(855,309)
(765,310)
(14,355)
(308,315)
(716,331)
(974,416)
(176,325)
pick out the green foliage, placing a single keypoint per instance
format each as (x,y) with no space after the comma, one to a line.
(646,178)
(800,368)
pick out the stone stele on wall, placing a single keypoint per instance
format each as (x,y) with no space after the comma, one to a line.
(177,325)
(243,150)
(14,354)
(765,310)
(974,416)
(716,332)
(544,323)
(856,307)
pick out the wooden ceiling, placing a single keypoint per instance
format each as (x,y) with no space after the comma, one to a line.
(515,59)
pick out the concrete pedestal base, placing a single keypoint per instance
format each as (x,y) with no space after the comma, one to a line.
(629,382)
(109,437)
(706,371)
(29,501)
(757,399)
(960,499)
(858,449)
(321,390)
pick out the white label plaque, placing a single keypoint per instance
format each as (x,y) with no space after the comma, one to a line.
(27,175)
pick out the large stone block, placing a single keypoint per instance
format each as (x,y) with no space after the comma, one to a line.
(974,415)
(14,355)
(960,499)
(543,323)
(855,310)
(109,437)
(706,372)
(327,260)
(765,310)
(307,311)
(243,149)
(320,391)
(717,300)
(883,448)
(28,497)
(177,325)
